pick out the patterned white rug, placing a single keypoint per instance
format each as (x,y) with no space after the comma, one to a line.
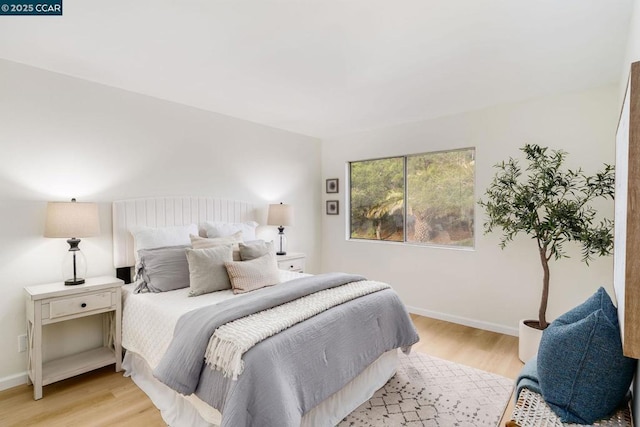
(427,391)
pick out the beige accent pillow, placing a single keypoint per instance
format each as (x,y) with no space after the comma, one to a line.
(247,276)
(198,242)
(207,272)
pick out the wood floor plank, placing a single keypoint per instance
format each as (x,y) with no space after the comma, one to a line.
(106,398)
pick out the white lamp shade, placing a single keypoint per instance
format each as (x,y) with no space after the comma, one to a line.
(280,214)
(72,219)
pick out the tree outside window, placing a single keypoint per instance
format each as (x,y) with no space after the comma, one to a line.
(422,199)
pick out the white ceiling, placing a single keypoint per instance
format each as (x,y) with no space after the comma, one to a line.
(328,67)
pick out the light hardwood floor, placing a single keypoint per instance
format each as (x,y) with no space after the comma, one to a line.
(106,398)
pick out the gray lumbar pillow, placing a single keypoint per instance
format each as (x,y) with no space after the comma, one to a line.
(162,269)
(255,249)
(207,272)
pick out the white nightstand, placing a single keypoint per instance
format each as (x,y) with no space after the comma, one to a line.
(292,261)
(56,302)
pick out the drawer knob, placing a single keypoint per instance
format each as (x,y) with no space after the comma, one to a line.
(83,305)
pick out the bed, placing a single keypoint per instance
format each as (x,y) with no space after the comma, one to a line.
(150,320)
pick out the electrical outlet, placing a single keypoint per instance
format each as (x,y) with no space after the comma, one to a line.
(22,343)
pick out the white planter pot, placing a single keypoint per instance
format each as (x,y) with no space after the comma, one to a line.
(529,340)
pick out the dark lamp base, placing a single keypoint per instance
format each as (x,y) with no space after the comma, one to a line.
(281,253)
(73,282)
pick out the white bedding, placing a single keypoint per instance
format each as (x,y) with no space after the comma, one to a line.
(148,319)
(147,329)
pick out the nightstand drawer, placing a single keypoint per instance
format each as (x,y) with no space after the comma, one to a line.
(292,264)
(79,304)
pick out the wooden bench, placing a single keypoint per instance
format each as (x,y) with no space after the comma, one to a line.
(532,411)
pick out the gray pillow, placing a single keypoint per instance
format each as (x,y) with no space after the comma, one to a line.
(207,272)
(255,249)
(162,269)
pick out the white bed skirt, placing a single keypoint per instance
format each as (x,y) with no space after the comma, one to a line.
(180,411)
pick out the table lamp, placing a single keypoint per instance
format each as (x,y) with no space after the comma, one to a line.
(72,220)
(280,215)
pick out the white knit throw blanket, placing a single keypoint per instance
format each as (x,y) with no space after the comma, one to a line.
(231,340)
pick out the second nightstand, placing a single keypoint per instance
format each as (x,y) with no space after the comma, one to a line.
(56,302)
(293,261)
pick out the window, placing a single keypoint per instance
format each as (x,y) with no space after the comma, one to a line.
(421,198)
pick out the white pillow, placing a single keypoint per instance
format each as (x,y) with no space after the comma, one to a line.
(223,229)
(157,237)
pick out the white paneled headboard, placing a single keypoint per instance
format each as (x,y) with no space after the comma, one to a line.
(168,211)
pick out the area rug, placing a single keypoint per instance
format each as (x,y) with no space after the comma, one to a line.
(427,391)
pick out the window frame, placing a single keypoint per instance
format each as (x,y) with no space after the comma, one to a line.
(404,158)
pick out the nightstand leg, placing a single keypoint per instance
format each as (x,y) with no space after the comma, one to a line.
(37,391)
(29,352)
(35,352)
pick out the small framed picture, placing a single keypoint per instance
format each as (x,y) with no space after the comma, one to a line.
(332,185)
(332,207)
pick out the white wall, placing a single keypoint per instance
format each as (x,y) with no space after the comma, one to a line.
(632,53)
(485,287)
(62,137)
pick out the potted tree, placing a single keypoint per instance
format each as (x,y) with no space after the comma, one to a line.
(551,205)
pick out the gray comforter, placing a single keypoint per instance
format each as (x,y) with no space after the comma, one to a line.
(288,374)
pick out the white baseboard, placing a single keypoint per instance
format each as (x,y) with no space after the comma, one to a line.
(487,326)
(13,380)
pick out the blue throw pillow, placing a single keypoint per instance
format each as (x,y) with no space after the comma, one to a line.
(583,374)
(598,301)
